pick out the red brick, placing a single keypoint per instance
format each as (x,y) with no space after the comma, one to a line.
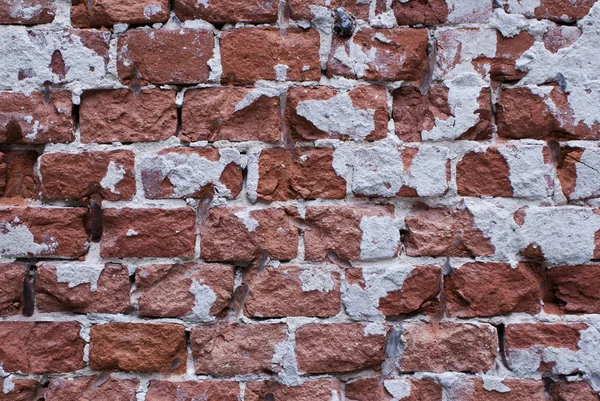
(441,347)
(118,116)
(111,12)
(525,114)
(508,51)
(418,293)
(577,174)
(301,9)
(374,389)
(11,287)
(575,287)
(530,390)
(339,230)
(526,335)
(573,391)
(558,37)
(47,232)
(98,388)
(428,12)
(557,10)
(27,12)
(148,233)
(236,349)
(22,390)
(445,232)
(293,291)
(168,290)
(310,390)
(18,180)
(161,390)
(337,347)
(222,11)
(250,54)
(25,118)
(166,56)
(415,113)
(409,45)
(209,114)
(138,347)
(355,106)
(41,347)
(70,175)
(191,172)
(240,234)
(74,288)
(487,289)
(483,174)
(299,174)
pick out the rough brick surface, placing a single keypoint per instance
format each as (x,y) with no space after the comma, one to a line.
(250,54)
(138,347)
(143,53)
(51,347)
(234,114)
(299,200)
(69,176)
(120,116)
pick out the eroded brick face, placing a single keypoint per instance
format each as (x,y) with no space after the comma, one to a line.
(299,200)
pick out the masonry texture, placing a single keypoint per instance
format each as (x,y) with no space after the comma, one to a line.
(300,200)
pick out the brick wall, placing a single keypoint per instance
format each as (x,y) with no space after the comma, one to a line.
(300,200)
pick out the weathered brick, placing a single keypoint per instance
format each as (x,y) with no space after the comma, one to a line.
(508,390)
(110,12)
(432,12)
(236,349)
(573,391)
(166,56)
(234,114)
(376,291)
(320,112)
(12,276)
(83,288)
(232,234)
(419,117)
(192,173)
(222,11)
(202,290)
(293,291)
(41,347)
(382,48)
(508,50)
(517,171)
(250,54)
(303,173)
(71,175)
(540,113)
(575,287)
(373,389)
(41,56)
(557,37)
(18,180)
(47,232)
(29,119)
(148,232)
(302,9)
(445,232)
(488,289)
(119,116)
(337,347)
(527,335)
(100,388)
(555,10)
(441,347)
(20,389)
(160,390)
(351,233)
(138,347)
(578,172)
(27,12)
(313,390)
(384,169)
